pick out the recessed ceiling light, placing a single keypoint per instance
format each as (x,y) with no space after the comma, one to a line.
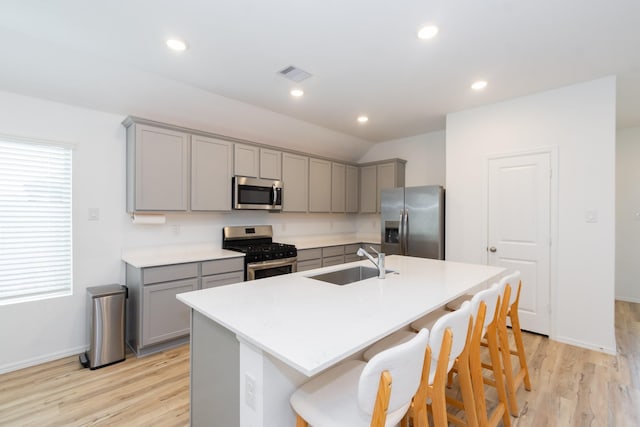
(427,32)
(177,45)
(297,92)
(363,119)
(479,85)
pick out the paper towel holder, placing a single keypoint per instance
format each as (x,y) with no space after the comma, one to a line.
(148,219)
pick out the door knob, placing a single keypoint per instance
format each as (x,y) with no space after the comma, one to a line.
(492,249)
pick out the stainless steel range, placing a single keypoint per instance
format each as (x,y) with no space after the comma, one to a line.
(263,257)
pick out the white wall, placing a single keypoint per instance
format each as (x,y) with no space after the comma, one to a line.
(37,331)
(425,155)
(628,214)
(580,121)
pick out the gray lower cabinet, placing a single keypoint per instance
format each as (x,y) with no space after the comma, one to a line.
(156,320)
(308,259)
(163,316)
(332,255)
(350,252)
(222,272)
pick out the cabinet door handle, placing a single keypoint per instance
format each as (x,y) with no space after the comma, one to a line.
(493,249)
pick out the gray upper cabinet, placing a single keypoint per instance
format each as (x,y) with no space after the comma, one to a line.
(376,177)
(338,187)
(246,160)
(368,188)
(319,185)
(211,172)
(270,164)
(390,175)
(295,177)
(157,169)
(351,189)
(171,168)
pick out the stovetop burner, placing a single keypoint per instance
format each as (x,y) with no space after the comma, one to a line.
(256,242)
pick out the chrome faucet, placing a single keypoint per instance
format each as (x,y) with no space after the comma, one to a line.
(379,263)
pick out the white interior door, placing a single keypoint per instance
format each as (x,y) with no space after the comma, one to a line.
(519,201)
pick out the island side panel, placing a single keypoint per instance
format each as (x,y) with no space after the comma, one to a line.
(282,381)
(266,384)
(215,367)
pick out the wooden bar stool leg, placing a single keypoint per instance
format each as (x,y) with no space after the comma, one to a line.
(300,422)
(517,335)
(494,352)
(468,398)
(503,339)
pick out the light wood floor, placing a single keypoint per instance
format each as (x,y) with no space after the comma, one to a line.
(571,387)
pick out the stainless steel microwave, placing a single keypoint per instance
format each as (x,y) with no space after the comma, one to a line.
(255,193)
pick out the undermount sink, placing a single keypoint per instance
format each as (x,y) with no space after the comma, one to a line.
(348,275)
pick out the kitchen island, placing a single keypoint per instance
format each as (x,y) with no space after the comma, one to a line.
(254,343)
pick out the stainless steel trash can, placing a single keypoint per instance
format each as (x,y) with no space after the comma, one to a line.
(106,306)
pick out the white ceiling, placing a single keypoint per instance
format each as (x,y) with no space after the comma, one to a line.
(364,55)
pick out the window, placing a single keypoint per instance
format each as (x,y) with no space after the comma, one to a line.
(35,220)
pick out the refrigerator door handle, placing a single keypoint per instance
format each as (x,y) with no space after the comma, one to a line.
(406,232)
(402,252)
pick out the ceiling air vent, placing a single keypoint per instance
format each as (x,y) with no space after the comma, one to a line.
(294,74)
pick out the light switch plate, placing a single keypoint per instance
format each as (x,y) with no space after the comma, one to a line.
(94,214)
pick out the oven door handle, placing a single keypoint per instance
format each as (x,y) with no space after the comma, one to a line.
(263,265)
(272,263)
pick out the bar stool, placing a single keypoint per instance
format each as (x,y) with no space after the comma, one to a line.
(485,327)
(509,309)
(449,337)
(356,393)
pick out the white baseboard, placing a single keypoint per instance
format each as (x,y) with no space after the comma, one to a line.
(611,351)
(628,299)
(41,359)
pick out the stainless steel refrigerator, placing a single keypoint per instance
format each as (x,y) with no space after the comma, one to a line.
(412,221)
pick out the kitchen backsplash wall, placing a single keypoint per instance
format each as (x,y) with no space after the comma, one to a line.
(182,228)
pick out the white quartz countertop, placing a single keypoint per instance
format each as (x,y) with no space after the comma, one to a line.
(176,254)
(310,325)
(151,256)
(308,242)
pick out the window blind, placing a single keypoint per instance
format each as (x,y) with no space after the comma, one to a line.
(35,221)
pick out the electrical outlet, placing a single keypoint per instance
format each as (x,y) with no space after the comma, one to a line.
(250,391)
(94,214)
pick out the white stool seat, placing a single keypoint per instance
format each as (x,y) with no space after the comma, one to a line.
(331,399)
(346,394)
(399,337)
